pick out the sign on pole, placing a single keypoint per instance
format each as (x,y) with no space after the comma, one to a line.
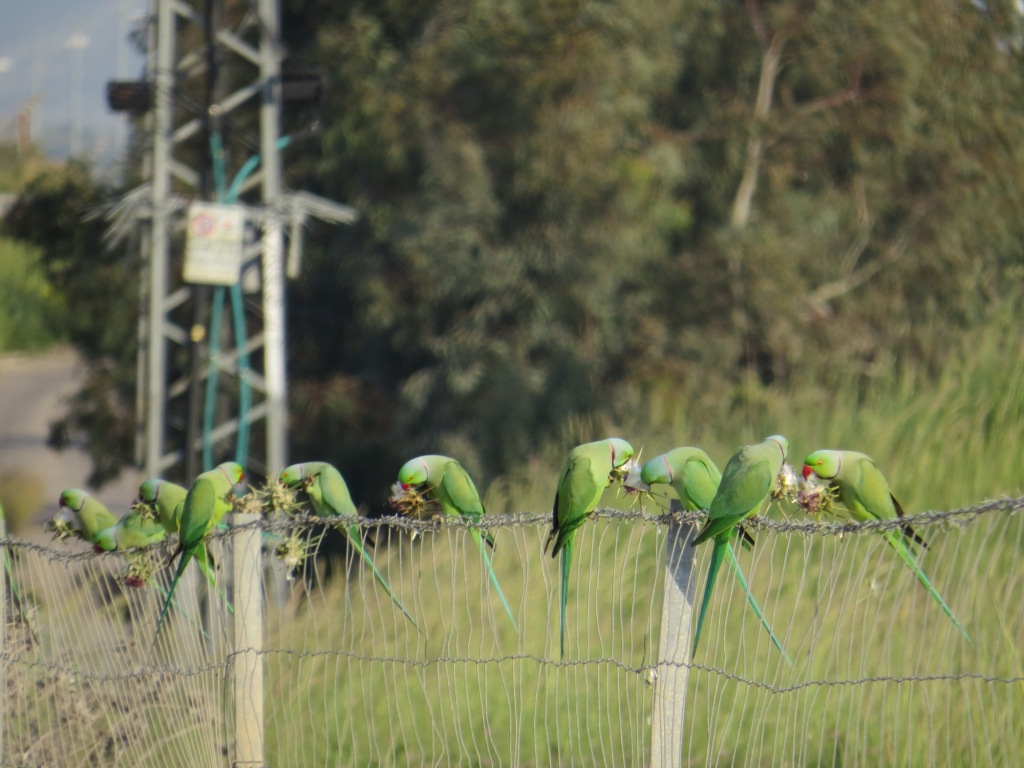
(213,246)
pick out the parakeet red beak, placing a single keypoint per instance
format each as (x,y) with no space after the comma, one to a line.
(405,486)
(807,471)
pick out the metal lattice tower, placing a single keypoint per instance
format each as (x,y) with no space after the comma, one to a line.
(191,48)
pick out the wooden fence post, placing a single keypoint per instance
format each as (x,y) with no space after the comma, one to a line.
(248,663)
(674,646)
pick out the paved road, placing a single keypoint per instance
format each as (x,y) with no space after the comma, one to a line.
(33,389)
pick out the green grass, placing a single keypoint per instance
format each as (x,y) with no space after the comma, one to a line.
(880,676)
(874,656)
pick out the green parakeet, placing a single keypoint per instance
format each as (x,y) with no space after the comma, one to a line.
(696,480)
(586,473)
(862,489)
(452,487)
(134,530)
(85,515)
(164,497)
(205,505)
(167,500)
(330,496)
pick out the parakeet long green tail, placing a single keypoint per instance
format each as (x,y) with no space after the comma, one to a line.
(353,533)
(722,550)
(479,539)
(897,542)
(730,555)
(186,555)
(566,562)
(174,604)
(717,555)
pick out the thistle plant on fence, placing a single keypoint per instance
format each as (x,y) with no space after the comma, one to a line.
(879,676)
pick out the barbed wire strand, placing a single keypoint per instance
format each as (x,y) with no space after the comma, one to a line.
(350,681)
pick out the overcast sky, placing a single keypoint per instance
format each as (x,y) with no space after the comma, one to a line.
(39,58)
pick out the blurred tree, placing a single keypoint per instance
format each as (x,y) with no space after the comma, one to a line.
(571,208)
(514,202)
(855,170)
(97,295)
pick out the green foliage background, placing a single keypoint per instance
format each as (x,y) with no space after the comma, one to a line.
(580,218)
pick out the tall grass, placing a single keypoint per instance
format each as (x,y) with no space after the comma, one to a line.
(880,676)
(876,662)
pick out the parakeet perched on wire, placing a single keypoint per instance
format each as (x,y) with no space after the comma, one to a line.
(82,515)
(451,486)
(167,500)
(863,490)
(330,496)
(204,506)
(134,530)
(696,480)
(586,473)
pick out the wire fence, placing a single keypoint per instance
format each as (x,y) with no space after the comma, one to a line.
(880,676)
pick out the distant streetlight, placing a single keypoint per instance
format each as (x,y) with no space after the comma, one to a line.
(76,43)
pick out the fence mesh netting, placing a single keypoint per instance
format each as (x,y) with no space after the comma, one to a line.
(880,676)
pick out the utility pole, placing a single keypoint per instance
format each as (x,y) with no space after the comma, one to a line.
(179,366)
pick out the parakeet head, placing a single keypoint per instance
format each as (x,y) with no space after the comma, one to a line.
(621,451)
(657,470)
(73,499)
(824,464)
(782,442)
(232,471)
(106,540)
(292,476)
(413,472)
(664,468)
(149,490)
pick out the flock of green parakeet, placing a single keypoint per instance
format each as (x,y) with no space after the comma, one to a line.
(435,484)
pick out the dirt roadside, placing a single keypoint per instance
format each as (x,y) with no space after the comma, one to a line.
(33,390)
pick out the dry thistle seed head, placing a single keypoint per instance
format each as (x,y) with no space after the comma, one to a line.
(292,552)
(61,526)
(139,571)
(411,501)
(632,484)
(620,473)
(785,485)
(815,499)
(278,497)
(145,509)
(250,502)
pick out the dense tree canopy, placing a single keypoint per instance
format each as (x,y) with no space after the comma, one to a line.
(572,211)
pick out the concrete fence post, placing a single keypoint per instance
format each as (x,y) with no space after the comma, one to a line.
(248,663)
(674,646)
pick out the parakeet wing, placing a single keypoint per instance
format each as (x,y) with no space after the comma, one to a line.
(701,484)
(744,486)
(335,492)
(197,513)
(460,490)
